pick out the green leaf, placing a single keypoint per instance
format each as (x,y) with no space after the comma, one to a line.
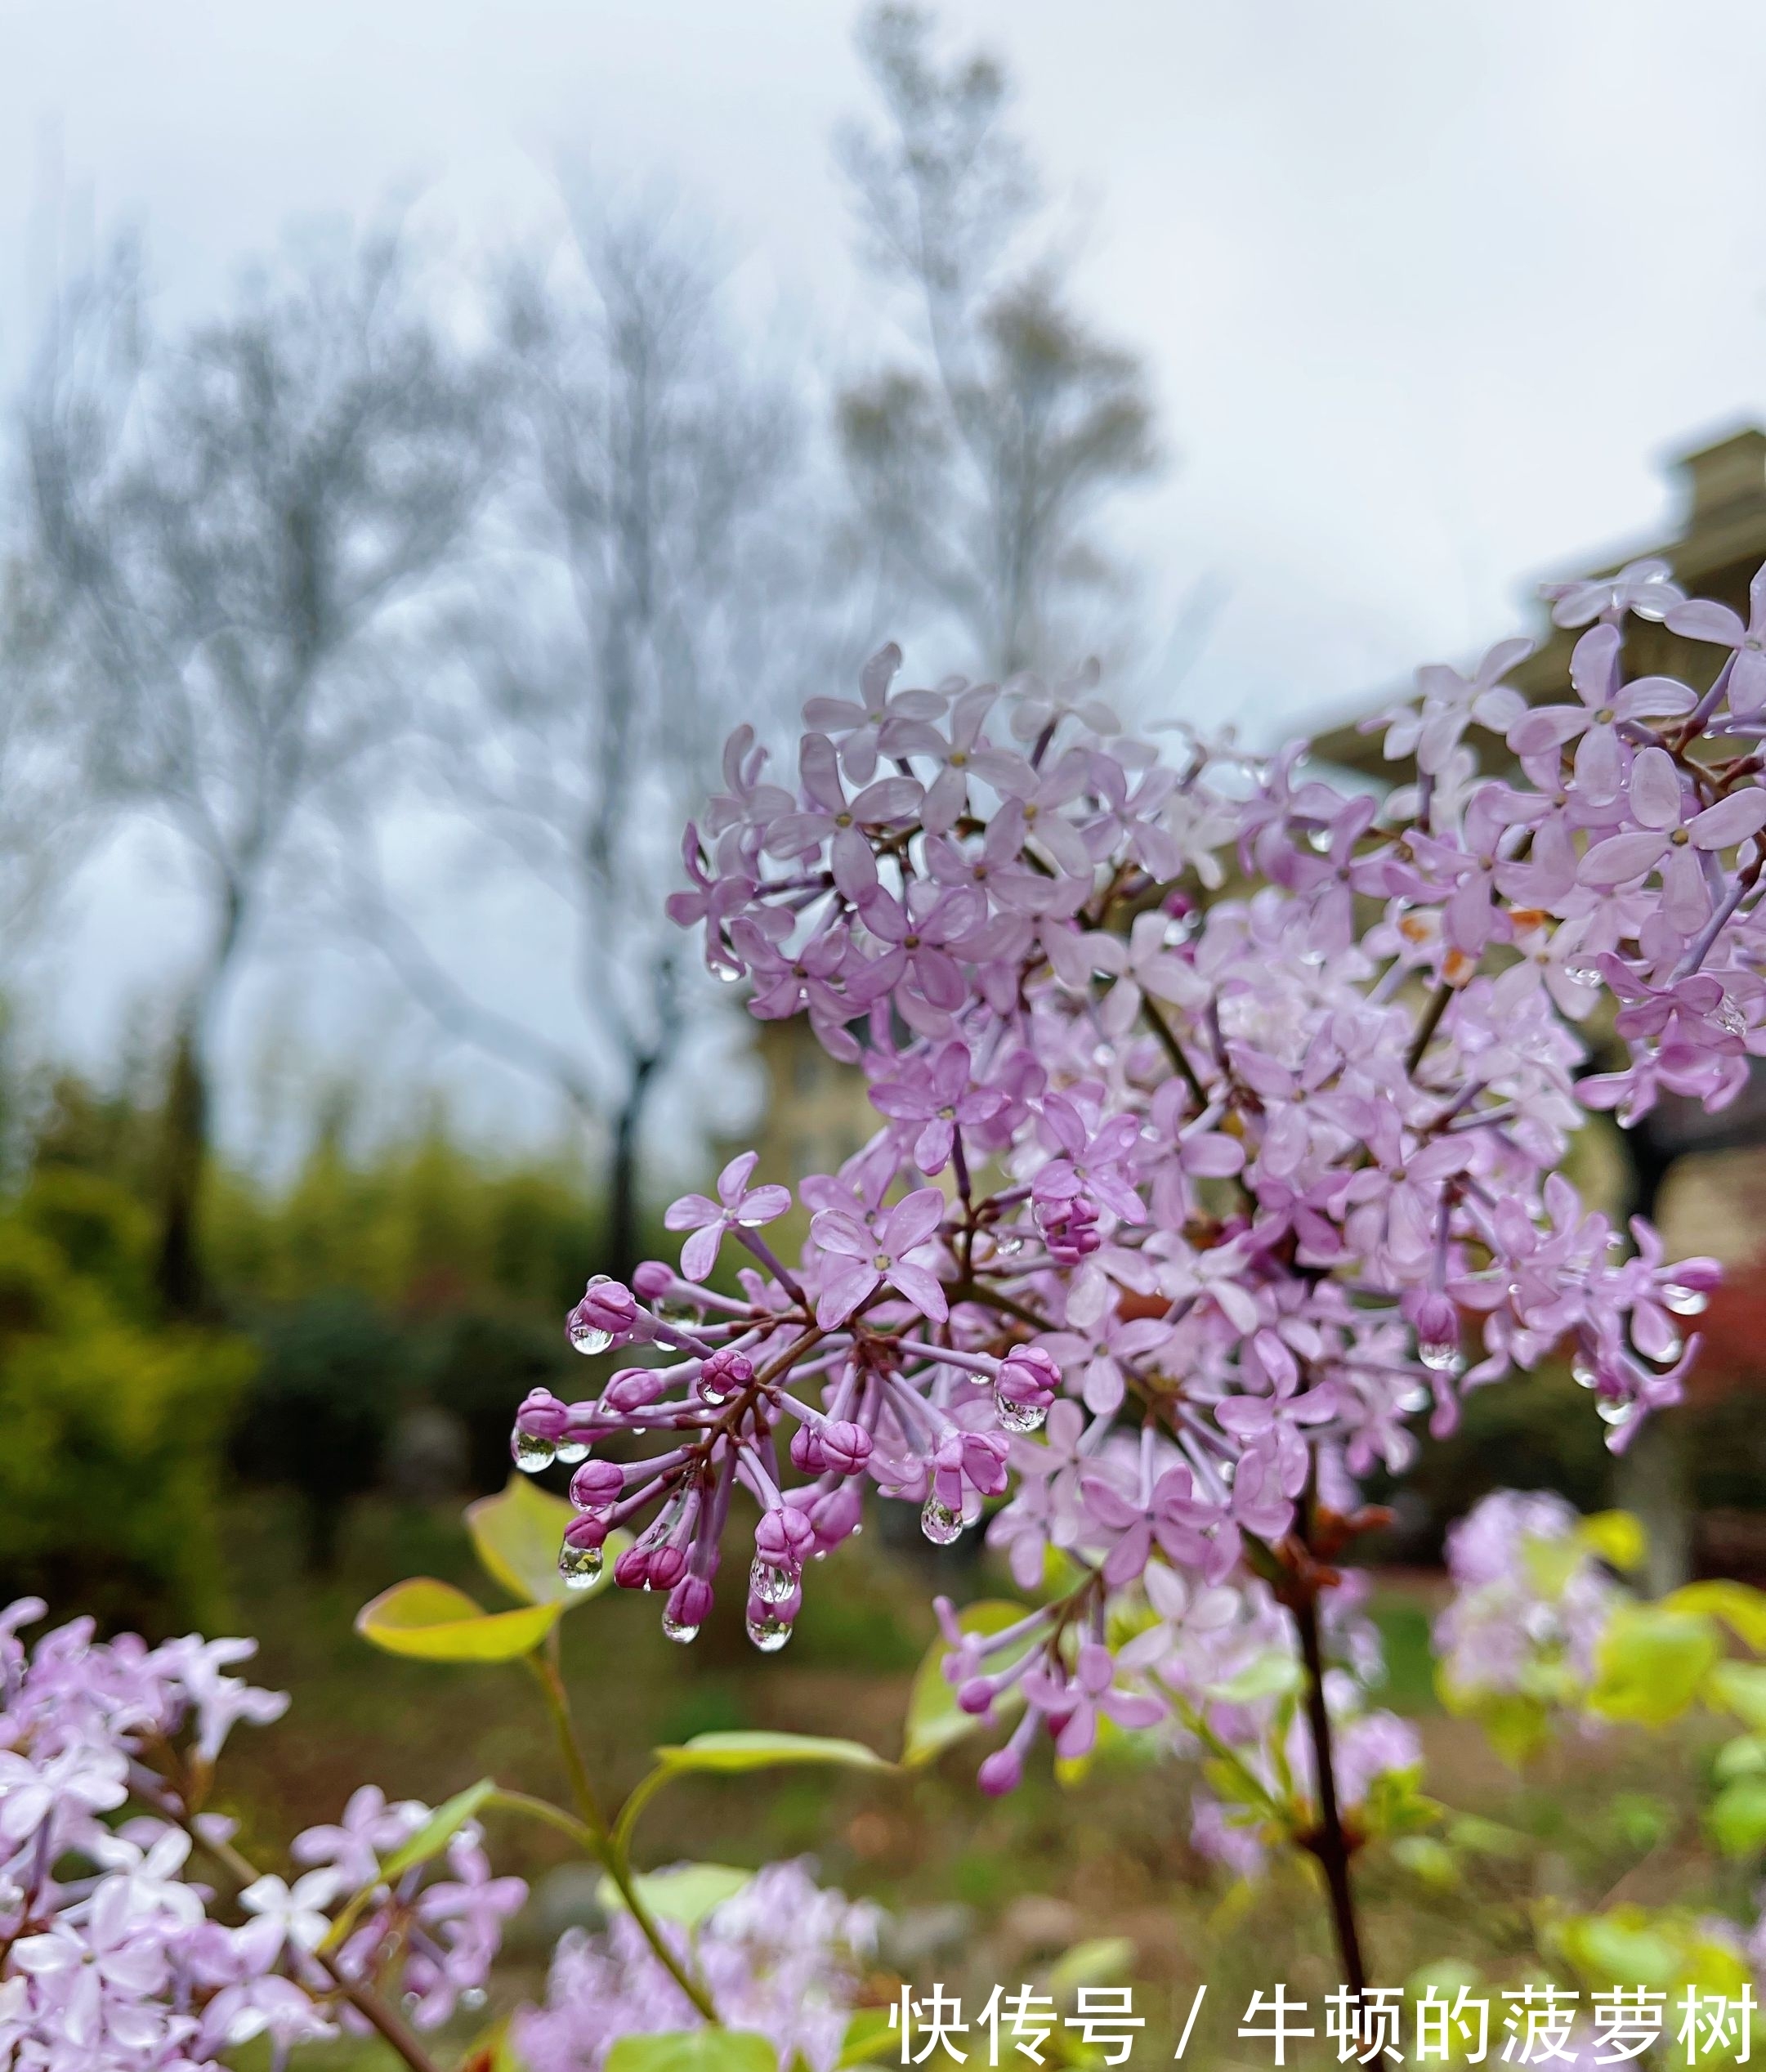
(1101,1962)
(1741,1609)
(1744,1757)
(1738,1817)
(1432,1861)
(436,1622)
(437,1831)
(1616,1537)
(517,1535)
(1651,1664)
(694,2050)
(1740,1687)
(934,1721)
(684,1893)
(727,1754)
(1273,1675)
(870,2040)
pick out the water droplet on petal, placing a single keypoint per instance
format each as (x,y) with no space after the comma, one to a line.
(771,1586)
(718,1390)
(1414,1400)
(676,1309)
(768,1634)
(1582,1374)
(474,1997)
(725,976)
(579,1566)
(1439,1355)
(530,1453)
(1018,1416)
(570,1451)
(1684,1302)
(940,1523)
(587,1340)
(1581,974)
(677,1629)
(1615,1413)
(1729,1018)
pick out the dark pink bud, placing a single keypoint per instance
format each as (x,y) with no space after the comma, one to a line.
(1002,1772)
(633,1388)
(606,1313)
(541,1414)
(667,1564)
(690,1601)
(806,1454)
(653,1279)
(727,1373)
(846,1445)
(586,1532)
(977,1695)
(632,1570)
(1028,1375)
(783,1537)
(836,1515)
(596,1484)
(786,1611)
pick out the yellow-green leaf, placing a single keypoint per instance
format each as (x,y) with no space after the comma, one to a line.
(870,2040)
(740,1750)
(1271,1675)
(694,2050)
(1741,1609)
(1617,1538)
(684,1893)
(436,1622)
(1651,1663)
(1099,1962)
(438,1830)
(1740,1687)
(1738,1817)
(935,1721)
(517,1535)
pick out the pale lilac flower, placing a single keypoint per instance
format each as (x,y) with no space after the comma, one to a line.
(863,1259)
(738,1207)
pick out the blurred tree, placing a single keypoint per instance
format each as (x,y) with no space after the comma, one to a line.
(224,534)
(658,586)
(977,465)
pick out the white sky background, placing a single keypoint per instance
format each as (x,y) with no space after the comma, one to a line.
(1427,290)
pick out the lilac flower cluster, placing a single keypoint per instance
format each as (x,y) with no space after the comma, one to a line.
(1530,1602)
(112,1957)
(1222,1118)
(782,1958)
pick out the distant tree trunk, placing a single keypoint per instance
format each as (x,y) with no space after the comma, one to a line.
(178,1279)
(624,1191)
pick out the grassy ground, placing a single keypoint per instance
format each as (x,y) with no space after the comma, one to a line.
(979,1889)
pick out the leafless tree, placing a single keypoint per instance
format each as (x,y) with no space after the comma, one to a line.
(654,592)
(977,462)
(226,531)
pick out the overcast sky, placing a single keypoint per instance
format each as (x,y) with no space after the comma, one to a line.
(1429,291)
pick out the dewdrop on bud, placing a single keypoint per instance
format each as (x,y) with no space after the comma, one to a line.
(607,1311)
(1684,1301)
(771,1586)
(1027,1384)
(530,1452)
(769,1632)
(579,1566)
(689,1603)
(940,1523)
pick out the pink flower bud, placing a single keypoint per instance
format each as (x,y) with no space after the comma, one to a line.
(667,1564)
(1002,1772)
(632,1570)
(634,1388)
(837,1515)
(653,1279)
(783,1537)
(586,1532)
(977,1695)
(806,1454)
(596,1484)
(846,1447)
(541,1414)
(690,1601)
(1028,1377)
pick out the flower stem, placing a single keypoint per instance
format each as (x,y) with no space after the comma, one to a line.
(609,1849)
(1329,1845)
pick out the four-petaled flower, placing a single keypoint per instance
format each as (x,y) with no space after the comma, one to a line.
(738,1207)
(864,1258)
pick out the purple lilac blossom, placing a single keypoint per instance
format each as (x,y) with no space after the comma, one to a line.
(1265,1172)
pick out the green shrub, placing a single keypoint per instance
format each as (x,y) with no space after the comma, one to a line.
(111,1436)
